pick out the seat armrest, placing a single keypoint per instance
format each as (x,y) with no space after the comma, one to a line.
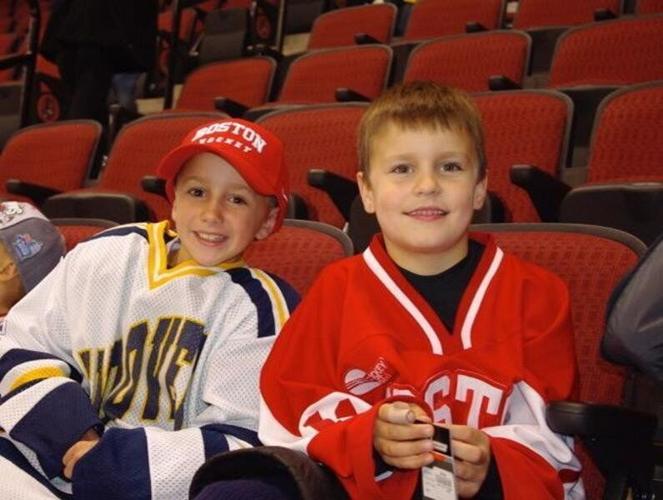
(631,207)
(545,191)
(599,420)
(348,95)
(501,82)
(37,193)
(297,207)
(620,440)
(604,15)
(365,38)
(122,208)
(263,50)
(341,190)
(153,184)
(474,27)
(227,105)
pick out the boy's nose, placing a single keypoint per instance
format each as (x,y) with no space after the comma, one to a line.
(212,212)
(427,183)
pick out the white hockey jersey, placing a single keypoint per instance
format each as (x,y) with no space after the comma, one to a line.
(164,362)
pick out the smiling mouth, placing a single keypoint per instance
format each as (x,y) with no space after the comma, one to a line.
(427,212)
(210,238)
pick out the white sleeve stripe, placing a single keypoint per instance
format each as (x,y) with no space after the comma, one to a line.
(272,433)
(13,410)
(381,274)
(234,443)
(526,409)
(14,374)
(174,458)
(466,331)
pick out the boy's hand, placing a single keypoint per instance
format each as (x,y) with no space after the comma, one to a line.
(471,449)
(77,450)
(399,441)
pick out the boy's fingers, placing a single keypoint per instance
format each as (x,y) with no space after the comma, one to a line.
(469,453)
(397,413)
(399,449)
(410,462)
(396,432)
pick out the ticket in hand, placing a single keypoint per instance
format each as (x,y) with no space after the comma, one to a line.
(437,479)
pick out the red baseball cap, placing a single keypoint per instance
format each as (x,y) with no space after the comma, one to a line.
(255,152)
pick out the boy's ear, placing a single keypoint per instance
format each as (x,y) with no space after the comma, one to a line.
(480,191)
(365,192)
(268,225)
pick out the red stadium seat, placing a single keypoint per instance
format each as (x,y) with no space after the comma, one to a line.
(315,76)
(468,61)
(538,13)
(338,28)
(624,186)
(591,261)
(136,153)
(76,230)
(57,155)
(299,251)
(321,137)
(435,18)
(246,81)
(523,127)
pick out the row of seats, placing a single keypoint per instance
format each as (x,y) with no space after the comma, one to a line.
(528,129)
(590,260)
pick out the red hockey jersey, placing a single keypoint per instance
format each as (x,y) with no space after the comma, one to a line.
(363,335)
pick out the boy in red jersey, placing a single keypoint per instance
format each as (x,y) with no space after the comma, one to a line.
(431,324)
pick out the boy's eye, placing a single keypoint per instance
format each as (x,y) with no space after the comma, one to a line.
(237,200)
(400,168)
(452,166)
(196,192)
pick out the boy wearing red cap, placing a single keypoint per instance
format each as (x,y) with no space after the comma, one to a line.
(138,357)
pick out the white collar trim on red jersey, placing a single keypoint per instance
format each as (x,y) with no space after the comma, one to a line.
(429,331)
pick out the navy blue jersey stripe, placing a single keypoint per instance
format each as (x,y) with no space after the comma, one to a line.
(260,298)
(289,293)
(117,467)
(55,423)
(15,357)
(11,453)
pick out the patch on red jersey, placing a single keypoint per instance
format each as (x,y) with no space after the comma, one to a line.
(359,382)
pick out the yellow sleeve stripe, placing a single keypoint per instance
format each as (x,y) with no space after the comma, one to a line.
(37,374)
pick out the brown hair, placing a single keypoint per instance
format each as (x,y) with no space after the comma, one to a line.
(418,105)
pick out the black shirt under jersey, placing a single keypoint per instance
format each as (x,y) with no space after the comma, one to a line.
(443,293)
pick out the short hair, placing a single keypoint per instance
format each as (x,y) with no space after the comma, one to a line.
(417,105)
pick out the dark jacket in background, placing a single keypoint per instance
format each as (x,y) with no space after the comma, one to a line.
(126,28)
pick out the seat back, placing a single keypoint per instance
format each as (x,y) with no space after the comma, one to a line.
(627,141)
(247,81)
(298,251)
(591,260)
(619,52)
(58,155)
(529,127)
(77,230)
(648,6)
(321,136)
(337,28)
(468,61)
(315,76)
(138,149)
(538,13)
(435,18)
